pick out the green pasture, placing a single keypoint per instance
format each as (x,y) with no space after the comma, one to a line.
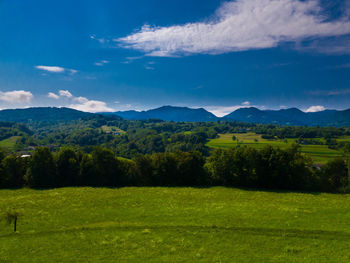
(344,139)
(319,153)
(174,225)
(9,144)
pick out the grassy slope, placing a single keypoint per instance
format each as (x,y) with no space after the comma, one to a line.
(175,225)
(320,153)
(10,142)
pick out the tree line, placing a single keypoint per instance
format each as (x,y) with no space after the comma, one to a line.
(269,168)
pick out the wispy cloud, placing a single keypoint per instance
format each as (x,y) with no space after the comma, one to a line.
(339,92)
(56,69)
(330,45)
(238,26)
(344,65)
(330,93)
(129,60)
(16,96)
(100,40)
(101,63)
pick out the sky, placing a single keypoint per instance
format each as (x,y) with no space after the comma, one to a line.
(112,55)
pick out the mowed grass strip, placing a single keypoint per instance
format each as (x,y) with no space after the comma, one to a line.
(319,153)
(174,225)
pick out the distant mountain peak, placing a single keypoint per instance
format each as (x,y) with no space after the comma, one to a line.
(170,113)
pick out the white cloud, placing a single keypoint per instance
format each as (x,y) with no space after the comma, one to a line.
(246,103)
(53,96)
(16,96)
(53,69)
(240,25)
(92,106)
(315,109)
(82,103)
(65,93)
(56,69)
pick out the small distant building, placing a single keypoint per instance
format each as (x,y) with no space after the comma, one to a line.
(25,156)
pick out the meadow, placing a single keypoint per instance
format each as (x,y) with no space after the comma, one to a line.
(174,225)
(319,153)
(9,143)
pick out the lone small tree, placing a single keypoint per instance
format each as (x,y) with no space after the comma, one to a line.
(12,217)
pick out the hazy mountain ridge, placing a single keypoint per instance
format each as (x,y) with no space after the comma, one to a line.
(42,114)
(292,116)
(170,113)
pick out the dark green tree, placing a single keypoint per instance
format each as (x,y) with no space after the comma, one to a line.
(107,167)
(13,171)
(68,167)
(335,176)
(42,169)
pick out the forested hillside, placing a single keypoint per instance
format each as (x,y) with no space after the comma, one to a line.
(97,150)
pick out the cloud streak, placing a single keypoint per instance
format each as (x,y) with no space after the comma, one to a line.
(101,63)
(239,26)
(56,69)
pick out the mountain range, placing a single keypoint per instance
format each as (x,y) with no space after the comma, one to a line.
(170,113)
(49,114)
(292,116)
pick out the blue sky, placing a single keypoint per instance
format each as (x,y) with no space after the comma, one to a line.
(111,55)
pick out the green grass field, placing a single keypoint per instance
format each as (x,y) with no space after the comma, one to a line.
(174,225)
(319,153)
(9,143)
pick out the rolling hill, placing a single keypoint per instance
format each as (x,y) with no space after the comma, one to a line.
(170,113)
(42,114)
(291,116)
